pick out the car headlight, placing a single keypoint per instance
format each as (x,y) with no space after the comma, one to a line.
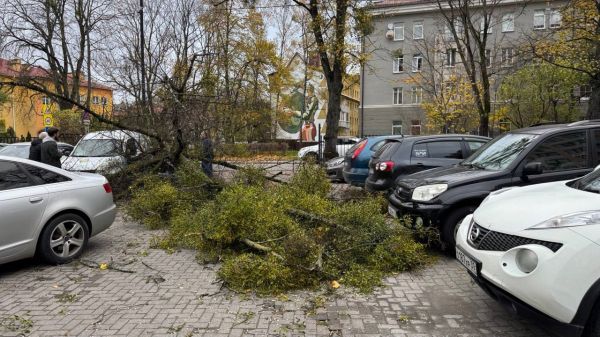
(570,220)
(428,192)
(335,162)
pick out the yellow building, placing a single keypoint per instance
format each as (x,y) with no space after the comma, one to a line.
(23,109)
(350,106)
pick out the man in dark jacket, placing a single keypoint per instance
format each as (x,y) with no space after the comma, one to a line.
(35,149)
(208,155)
(50,153)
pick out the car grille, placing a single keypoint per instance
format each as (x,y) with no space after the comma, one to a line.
(484,239)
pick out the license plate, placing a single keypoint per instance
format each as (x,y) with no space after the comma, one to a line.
(466,261)
(392,211)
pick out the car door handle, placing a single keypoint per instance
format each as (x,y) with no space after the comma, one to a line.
(34,200)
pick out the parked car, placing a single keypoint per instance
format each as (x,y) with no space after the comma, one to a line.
(2,145)
(536,249)
(343,145)
(105,151)
(49,211)
(442,197)
(334,169)
(356,160)
(21,150)
(410,155)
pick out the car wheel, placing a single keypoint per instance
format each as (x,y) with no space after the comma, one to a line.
(450,227)
(592,328)
(63,239)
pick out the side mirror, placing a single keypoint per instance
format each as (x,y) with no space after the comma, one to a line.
(533,168)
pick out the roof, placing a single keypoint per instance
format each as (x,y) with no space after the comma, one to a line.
(28,70)
(393,3)
(443,136)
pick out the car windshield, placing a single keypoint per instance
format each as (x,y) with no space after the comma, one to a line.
(500,152)
(589,183)
(97,148)
(21,151)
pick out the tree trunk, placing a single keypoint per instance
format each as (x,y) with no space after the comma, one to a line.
(593,111)
(333,117)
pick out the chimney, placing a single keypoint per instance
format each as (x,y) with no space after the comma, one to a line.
(15,64)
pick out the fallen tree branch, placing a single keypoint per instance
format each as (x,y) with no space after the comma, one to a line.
(315,218)
(237,167)
(261,248)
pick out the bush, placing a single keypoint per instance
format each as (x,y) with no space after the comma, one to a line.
(274,238)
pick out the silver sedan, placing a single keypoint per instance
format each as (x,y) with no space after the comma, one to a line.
(50,212)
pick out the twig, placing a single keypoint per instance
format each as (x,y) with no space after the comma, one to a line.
(261,248)
(316,218)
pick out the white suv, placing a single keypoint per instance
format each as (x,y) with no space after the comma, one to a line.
(537,249)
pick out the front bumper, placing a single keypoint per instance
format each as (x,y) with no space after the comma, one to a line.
(379,184)
(553,291)
(334,173)
(429,213)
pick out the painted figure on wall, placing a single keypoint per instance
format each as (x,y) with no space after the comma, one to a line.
(291,118)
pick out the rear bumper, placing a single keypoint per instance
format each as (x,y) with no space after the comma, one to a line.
(103,220)
(379,184)
(356,176)
(335,174)
(521,308)
(430,213)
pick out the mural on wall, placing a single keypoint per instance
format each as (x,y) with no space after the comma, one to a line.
(293,121)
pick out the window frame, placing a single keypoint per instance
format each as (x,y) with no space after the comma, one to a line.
(30,182)
(481,26)
(416,92)
(488,58)
(394,126)
(418,60)
(537,13)
(399,25)
(422,35)
(95,100)
(401,96)
(505,22)
(588,150)
(451,57)
(398,64)
(503,59)
(554,12)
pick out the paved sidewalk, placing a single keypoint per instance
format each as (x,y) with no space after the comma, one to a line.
(171,295)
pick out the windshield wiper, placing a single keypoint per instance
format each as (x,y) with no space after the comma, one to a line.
(473,165)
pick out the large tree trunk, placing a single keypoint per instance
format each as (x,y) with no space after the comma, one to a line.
(334,90)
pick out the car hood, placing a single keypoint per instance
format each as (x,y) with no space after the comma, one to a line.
(92,163)
(520,208)
(452,175)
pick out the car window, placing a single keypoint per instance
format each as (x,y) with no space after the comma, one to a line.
(378,145)
(448,149)
(597,139)
(562,152)
(420,151)
(474,145)
(11,176)
(45,176)
(387,150)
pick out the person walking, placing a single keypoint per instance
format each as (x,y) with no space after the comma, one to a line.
(35,149)
(208,154)
(49,151)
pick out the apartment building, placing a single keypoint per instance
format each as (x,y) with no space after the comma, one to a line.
(411,41)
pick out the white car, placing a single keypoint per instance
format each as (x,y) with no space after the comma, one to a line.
(537,248)
(50,212)
(343,144)
(105,151)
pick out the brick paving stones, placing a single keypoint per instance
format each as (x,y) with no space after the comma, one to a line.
(171,295)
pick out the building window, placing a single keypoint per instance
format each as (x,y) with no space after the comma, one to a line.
(539,19)
(585,91)
(398,32)
(507,57)
(482,26)
(95,100)
(508,23)
(417,63)
(104,100)
(555,18)
(417,30)
(45,100)
(488,58)
(397,96)
(417,95)
(396,127)
(451,57)
(398,64)
(415,127)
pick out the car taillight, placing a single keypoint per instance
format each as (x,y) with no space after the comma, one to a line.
(107,188)
(358,150)
(385,166)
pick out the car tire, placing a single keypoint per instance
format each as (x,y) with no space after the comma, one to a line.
(63,239)
(450,226)
(592,328)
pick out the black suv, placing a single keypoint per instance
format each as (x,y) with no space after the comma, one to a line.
(414,154)
(442,197)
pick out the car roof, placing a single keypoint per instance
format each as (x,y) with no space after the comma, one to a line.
(36,163)
(445,136)
(112,134)
(549,128)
